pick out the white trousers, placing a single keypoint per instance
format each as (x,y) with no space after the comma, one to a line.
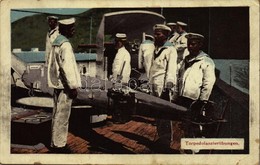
(164,126)
(157,85)
(60,118)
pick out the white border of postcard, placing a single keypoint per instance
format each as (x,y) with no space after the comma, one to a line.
(5,63)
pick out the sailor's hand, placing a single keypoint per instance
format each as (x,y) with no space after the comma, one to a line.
(73,93)
(169,85)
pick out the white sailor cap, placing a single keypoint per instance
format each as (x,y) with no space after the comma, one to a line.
(69,21)
(194,36)
(149,36)
(161,27)
(171,24)
(181,23)
(121,36)
(52,17)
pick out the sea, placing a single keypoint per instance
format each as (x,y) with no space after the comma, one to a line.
(234,72)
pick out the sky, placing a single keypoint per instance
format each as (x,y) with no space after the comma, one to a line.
(16,15)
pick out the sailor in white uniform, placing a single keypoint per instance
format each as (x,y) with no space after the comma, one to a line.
(196,80)
(174,35)
(63,75)
(181,41)
(163,69)
(145,54)
(121,67)
(163,76)
(197,72)
(51,34)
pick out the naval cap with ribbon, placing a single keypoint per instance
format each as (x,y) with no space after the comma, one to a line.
(121,36)
(171,24)
(68,21)
(149,36)
(161,27)
(181,23)
(195,36)
(52,17)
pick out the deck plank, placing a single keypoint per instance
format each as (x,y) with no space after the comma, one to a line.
(135,136)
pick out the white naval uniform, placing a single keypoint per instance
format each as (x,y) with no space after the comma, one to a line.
(173,38)
(197,78)
(62,74)
(181,47)
(122,56)
(50,37)
(145,56)
(163,68)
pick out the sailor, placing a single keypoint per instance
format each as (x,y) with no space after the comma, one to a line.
(196,80)
(174,35)
(163,75)
(145,54)
(163,68)
(121,67)
(197,72)
(52,33)
(64,77)
(181,41)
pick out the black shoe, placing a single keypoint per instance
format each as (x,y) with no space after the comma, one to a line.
(162,146)
(117,119)
(60,150)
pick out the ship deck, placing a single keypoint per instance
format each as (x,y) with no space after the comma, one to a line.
(137,136)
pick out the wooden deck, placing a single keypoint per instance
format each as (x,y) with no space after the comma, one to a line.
(137,136)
